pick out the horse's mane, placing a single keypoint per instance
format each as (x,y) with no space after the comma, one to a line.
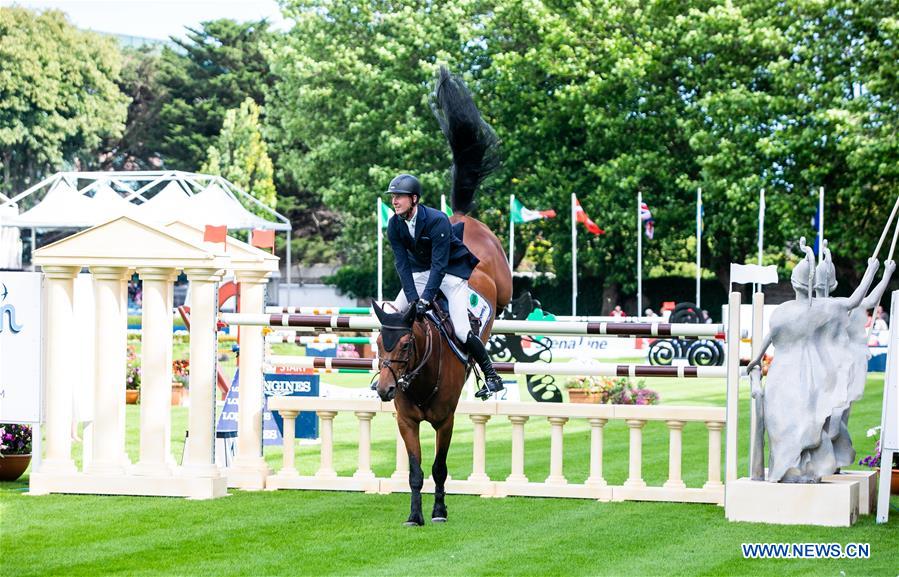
(473,142)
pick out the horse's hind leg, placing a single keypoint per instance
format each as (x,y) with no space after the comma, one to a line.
(409,432)
(439,471)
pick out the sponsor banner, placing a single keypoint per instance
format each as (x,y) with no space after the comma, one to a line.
(21,346)
(590,346)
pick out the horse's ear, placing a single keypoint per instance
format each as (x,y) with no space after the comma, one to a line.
(379,312)
(409,317)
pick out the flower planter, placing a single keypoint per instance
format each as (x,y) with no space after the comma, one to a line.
(584,396)
(179,394)
(12,466)
(132,396)
(894,481)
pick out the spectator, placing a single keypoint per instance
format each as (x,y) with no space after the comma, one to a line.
(706,318)
(617,312)
(881,314)
(650,313)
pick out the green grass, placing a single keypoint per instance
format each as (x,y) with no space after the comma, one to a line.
(312,533)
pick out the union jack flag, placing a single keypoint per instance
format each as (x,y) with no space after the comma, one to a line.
(648,222)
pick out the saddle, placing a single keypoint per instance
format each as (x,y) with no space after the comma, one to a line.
(439,315)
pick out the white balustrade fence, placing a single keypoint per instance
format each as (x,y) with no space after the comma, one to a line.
(517,483)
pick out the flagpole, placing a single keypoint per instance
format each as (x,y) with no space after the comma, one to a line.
(698,244)
(639,255)
(511,233)
(761,239)
(573,256)
(380,209)
(820,221)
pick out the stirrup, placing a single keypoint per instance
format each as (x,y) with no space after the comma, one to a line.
(491,387)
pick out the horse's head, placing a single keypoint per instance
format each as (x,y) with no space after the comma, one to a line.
(397,351)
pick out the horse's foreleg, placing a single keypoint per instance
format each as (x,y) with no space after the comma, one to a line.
(409,432)
(439,471)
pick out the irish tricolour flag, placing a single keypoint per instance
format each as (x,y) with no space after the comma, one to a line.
(522,214)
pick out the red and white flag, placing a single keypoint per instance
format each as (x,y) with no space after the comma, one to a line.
(582,217)
(648,222)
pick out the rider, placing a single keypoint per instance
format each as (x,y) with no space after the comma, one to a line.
(429,257)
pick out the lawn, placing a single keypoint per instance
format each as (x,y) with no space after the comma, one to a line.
(313,533)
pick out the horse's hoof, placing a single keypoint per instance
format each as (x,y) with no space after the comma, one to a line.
(413,523)
(438,519)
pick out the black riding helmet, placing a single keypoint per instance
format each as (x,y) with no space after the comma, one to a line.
(405,184)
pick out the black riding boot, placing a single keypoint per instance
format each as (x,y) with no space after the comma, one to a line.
(493,383)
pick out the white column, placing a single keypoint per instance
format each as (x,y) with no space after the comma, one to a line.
(479,449)
(758,323)
(596,433)
(675,433)
(60,332)
(402,458)
(714,481)
(556,475)
(250,401)
(288,468)
(156,381)
(326,468)
(635,470)
(517,475)
(200,460)
(363,471)
(733,384)
(110,369)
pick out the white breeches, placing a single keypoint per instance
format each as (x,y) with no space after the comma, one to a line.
(456,291)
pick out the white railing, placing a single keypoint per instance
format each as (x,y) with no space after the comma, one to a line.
(517,483)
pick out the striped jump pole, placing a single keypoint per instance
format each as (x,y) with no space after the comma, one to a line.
(579,369)
(324,339)
(319,310)
(504,327)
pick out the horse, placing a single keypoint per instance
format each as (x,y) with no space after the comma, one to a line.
(418,370)
(423,376)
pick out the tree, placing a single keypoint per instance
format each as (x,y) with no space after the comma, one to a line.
(241,156)
(135,148)
(350,108)
(219,65)
(59,95)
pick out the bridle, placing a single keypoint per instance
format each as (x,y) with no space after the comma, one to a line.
(404,380)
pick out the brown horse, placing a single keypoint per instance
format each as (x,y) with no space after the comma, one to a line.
(423,377)
(419,371)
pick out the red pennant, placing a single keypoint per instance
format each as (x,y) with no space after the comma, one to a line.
(583,218)
(263,239)
(215,233)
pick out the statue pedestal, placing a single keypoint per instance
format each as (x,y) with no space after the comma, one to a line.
(867,488)
(830,503)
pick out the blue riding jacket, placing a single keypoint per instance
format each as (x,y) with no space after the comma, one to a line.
(437,247)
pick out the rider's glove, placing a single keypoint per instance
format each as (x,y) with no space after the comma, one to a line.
(421,306)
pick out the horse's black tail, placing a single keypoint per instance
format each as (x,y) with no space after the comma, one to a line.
(472,141)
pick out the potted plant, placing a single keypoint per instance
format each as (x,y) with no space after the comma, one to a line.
(873,461)
(15,451)
(132,377)
(624,392)
(180,381)
(587,389)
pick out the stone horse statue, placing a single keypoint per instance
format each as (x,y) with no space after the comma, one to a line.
(419,371)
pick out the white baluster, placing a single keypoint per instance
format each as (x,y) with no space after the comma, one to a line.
(479,452)
(326,469)
(517,475)
(635,474)
(556,476)
(715,428)
(675,431)
(596,441)
(364,469)
(288,468)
